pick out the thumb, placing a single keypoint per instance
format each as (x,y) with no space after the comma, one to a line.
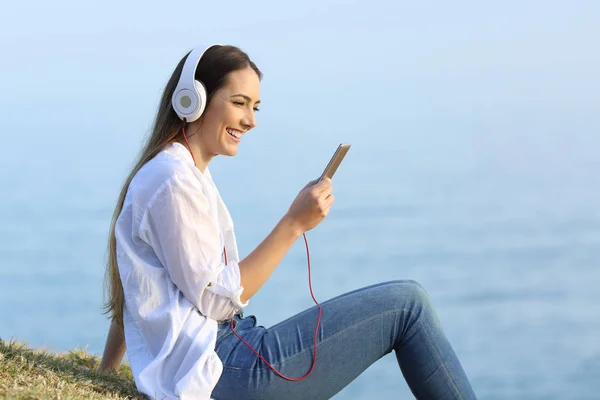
(311,183)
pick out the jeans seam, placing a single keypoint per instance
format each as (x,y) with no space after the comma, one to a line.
(260,369)
(218,341)
(435,350)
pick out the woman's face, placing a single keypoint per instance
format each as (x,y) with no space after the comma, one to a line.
(230,114)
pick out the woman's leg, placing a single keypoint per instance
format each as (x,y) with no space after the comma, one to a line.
(357,329)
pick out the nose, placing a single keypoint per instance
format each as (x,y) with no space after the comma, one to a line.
(249,120)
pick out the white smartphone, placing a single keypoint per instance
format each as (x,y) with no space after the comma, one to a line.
(335,161)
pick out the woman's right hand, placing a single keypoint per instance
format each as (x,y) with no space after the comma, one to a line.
(311,205)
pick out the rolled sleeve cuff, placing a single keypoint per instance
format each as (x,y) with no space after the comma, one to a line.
(229,285)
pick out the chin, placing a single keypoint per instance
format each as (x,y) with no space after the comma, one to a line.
(230,151)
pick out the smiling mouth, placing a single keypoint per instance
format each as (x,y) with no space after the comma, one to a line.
(234,133)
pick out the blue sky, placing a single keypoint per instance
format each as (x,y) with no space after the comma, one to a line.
(507,88)
(516,52)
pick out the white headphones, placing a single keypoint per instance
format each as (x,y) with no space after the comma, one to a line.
(189,97)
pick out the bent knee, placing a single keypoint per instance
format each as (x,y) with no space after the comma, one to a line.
(409,293)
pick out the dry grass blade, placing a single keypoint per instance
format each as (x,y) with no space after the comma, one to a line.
(36,374)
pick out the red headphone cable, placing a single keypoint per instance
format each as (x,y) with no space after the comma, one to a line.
(232,321)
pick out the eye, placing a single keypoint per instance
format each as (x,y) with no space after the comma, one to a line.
(239,103)
(256,109)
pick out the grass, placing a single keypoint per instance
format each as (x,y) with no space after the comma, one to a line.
(36,374)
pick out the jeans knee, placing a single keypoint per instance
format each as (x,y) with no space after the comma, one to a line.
(410,294)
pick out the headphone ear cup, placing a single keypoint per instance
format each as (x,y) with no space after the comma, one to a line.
(201,91)
(190,103)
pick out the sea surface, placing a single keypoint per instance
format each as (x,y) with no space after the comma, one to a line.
(503,232)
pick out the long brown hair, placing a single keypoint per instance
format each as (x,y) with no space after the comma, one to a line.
(216,63)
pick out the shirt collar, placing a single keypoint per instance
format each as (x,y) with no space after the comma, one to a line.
(182,152)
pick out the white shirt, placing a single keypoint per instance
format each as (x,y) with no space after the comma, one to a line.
(170,238)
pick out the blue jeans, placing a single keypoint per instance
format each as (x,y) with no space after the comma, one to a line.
(357,329)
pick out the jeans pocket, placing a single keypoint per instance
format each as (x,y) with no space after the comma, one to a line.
(235,354)
(224,328)
(222,336)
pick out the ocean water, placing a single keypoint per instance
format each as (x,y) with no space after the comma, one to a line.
(503,233)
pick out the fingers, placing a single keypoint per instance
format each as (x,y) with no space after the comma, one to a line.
(311,183)
(325,193)
(321,193)
(317,185)
(329,200)
(327,203)
(320,197)
(325,182)
(322,186)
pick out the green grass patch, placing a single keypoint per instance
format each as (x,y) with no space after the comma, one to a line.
(37,374)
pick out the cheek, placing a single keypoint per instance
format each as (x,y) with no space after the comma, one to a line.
(231,116)
(213,119)
(224,115)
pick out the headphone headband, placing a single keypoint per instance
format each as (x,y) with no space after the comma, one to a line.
(189,97)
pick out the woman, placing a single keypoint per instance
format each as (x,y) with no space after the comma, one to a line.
(176,281)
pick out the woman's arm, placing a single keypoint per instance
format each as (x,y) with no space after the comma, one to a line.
(309,208)
(256,268)
(114,350)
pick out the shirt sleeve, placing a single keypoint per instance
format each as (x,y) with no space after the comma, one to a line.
(178,226)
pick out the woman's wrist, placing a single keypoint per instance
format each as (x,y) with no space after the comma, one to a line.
(292,225)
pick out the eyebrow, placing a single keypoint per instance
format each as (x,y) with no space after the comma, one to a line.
(247,98)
